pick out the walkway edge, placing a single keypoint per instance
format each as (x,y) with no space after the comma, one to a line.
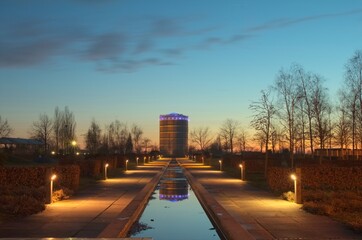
(121,225)
(231,229)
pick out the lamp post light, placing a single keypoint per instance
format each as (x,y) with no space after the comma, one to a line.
(241,172)
(52,178)
(203,162)
(137,161)
(105,171)
(74,143)
(220,162)
(294,178)
(126,164)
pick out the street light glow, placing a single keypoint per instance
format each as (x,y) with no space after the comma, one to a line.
(293,177)
(53,177)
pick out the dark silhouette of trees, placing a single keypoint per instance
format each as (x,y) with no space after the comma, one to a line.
(42,129)
(5,129)
(264,112)
(93,138)
(145,144)
(129,144)
(228,133)
(137,135)
(57,123)
(351,96)
(242,139)
(201,137)
(117,134)
(286,85)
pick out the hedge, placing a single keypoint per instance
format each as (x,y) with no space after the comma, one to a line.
(317,178)
(67,176)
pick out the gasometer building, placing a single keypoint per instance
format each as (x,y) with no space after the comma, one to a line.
(174,135)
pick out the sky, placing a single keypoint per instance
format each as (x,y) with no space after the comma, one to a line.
(132,60)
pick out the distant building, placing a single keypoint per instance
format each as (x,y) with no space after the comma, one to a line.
(19,145)
(337,152)
(174,135)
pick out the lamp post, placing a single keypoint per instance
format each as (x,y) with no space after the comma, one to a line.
(220,162)
(203,162)
(74,143)
(126,164)
(52,178)
(144,160)
(294,178)
(241,172)
(137,161)
(105,171)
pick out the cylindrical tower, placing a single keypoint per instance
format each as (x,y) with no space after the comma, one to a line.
(174,135)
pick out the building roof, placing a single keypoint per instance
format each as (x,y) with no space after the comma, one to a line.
(174,116)
(6,140)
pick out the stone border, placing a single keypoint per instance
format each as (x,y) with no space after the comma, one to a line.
(119,227)
(229,227)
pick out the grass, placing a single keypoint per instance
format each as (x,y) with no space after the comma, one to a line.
(344,206)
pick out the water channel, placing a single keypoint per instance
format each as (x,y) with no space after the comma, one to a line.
(173,211)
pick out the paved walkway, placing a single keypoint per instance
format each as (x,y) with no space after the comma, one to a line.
(264,215)
(86,214)
(260,213)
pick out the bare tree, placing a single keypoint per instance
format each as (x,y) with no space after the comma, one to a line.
(306,89)
(264,112)
(228,132)
(42,129)
(57,123)
(93,137)
(201,137)
(117,136)
(352,93)
(320,108)
(67,129)
(145,144)
(5,129)
(286,85)
(137,135)
(242,139)
(342,130)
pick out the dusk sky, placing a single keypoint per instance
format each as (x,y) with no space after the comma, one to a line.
(133,60)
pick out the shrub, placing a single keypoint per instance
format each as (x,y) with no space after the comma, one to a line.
(61,194)
(289,196)
(22,201)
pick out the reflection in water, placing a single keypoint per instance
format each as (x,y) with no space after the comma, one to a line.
(173,189)
(180,216)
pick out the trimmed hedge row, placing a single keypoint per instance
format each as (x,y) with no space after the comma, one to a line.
(332,178)
(279,180)
(317,178)
(67,176)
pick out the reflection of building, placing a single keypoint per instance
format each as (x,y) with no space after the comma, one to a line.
(173,185)
(174,189)
(173,135)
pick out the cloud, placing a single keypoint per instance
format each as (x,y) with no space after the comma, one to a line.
(144,45)
(132,65)
(279,23)
(151,42)
(166,27)
(106,47)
